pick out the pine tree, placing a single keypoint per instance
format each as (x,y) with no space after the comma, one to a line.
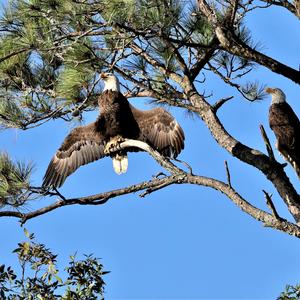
(52,54)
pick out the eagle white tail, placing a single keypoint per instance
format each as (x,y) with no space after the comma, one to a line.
(120,163)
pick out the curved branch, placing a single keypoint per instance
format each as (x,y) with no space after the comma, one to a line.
(233,45)
(272,169)
(294,9)
(178,177)
(97,199)
(230,42)
(268,219)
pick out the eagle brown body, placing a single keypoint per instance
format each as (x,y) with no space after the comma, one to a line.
(286,127)
(118,117)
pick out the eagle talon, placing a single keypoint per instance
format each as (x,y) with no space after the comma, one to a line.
(113,145)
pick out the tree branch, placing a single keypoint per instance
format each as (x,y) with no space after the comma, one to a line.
(178,177)
(228,174)
(97,199)
(232,44)
(267,142)
(286,4)
(272,169)
(271,205)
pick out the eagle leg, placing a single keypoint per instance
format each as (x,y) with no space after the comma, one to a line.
(113,145)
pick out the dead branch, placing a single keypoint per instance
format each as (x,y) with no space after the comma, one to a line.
(271,205)
(178,177)
(232,44)
(220,102)
(267,142)
(228,174)
(97,199)
(272,169)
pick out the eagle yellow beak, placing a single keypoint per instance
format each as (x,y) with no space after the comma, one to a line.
(103,75)
(269,90)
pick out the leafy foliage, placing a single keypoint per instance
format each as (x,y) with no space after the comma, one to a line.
(40,278)
(290,293)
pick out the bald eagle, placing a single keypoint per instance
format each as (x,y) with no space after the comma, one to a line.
(117,121)
(286,126)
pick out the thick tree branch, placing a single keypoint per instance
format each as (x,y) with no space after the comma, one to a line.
(294,9)
(268,220)
(205,57)
(232,44)
(272,169)
(97,199)
(178,177)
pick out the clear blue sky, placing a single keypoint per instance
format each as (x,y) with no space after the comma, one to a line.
(184,241)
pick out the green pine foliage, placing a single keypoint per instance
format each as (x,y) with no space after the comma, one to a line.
(10,113)
(197,26)
(72,83)
(44,68)
(119,11)
(14,181)
(51,54)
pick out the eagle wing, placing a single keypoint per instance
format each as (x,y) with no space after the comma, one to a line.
(160,130)
(83,145)
(286,126)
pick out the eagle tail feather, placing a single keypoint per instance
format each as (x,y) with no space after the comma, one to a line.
(120,163)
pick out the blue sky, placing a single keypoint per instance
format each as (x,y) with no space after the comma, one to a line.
(183,242)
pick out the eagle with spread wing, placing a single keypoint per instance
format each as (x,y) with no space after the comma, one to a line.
(286,126)
(117,121)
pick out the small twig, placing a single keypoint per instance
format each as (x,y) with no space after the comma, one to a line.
(220,102)
(159,174)
(177,179)
(271,205)
(185,164)
(228,174)
(267,142)
(59,194)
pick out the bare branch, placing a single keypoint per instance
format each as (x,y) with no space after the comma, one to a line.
(294,9)
(258,214)
(233,45)
(178,177)
(271,205)
(205,57)
(272,169)
(220,102)
(228,174)
(267,142)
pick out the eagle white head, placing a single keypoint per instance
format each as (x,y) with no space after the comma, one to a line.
(111,82)
(278,96)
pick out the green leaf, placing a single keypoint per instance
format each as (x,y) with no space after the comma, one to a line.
(58,278)
(26,232)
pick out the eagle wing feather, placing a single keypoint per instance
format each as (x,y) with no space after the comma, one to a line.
(160,130)
(286,126)
(83,145)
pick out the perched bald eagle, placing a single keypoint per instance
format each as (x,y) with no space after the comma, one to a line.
(286,126)
(118,120)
